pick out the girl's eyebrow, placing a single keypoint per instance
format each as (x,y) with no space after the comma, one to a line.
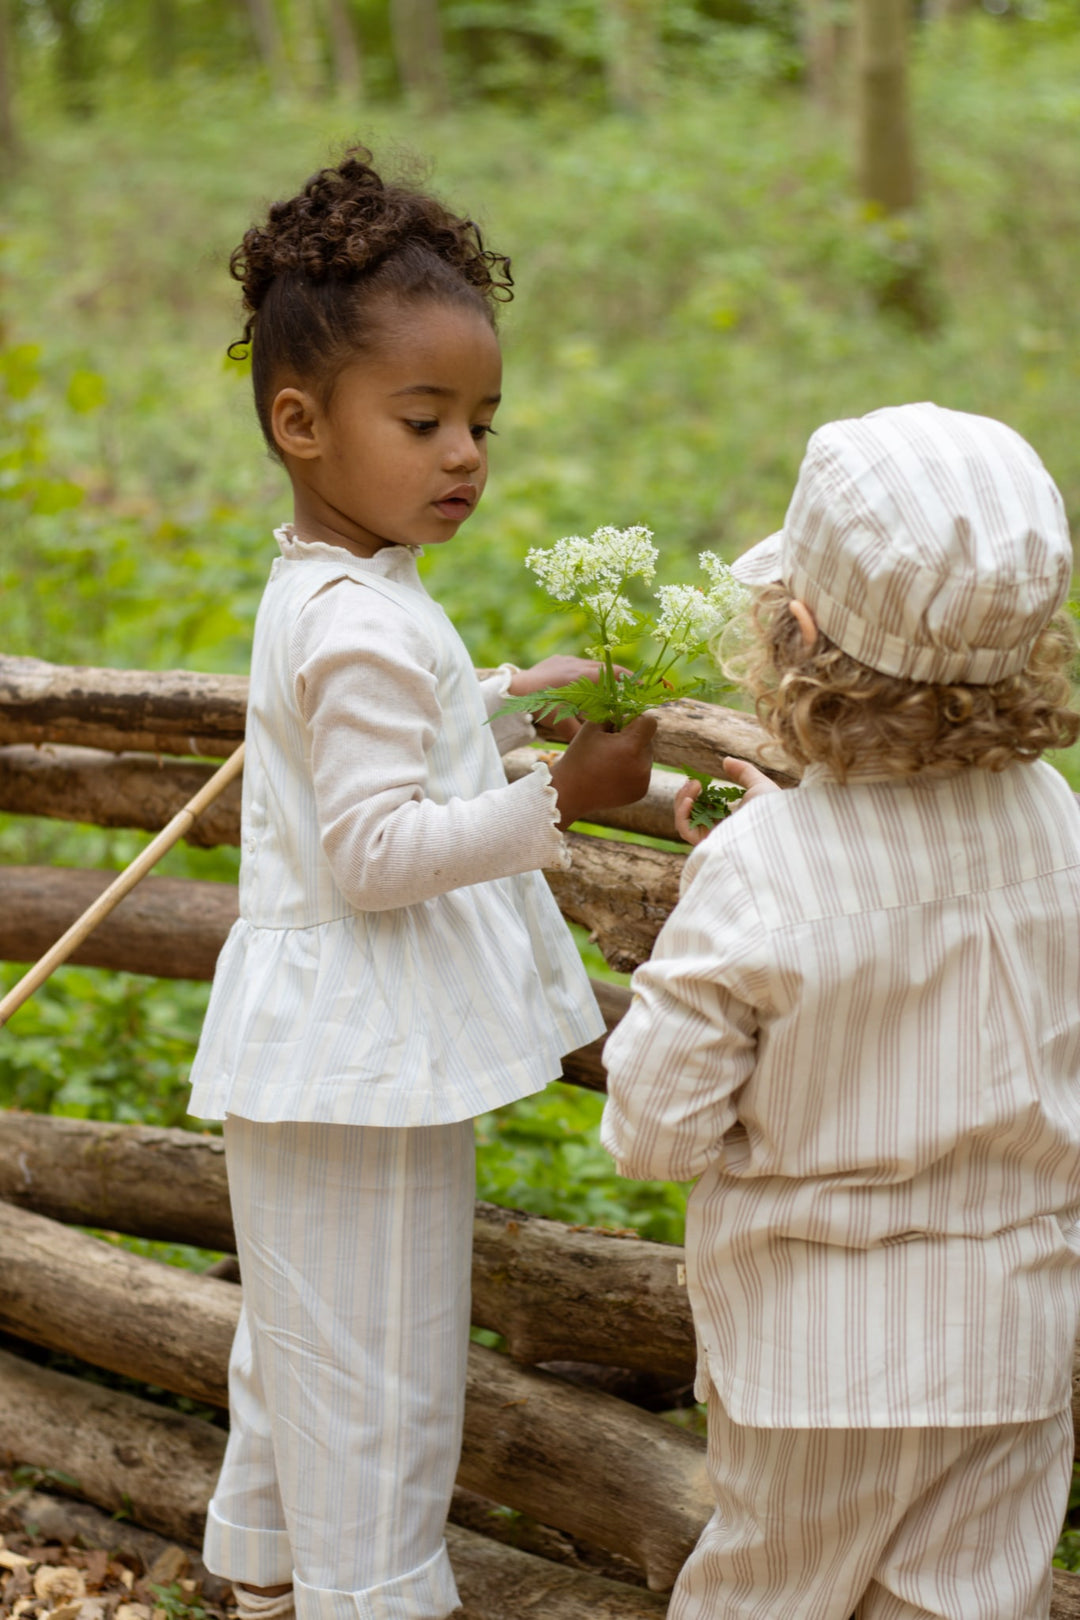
(441,393)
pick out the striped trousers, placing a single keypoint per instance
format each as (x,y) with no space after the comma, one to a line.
(347,1376)
(885,1524)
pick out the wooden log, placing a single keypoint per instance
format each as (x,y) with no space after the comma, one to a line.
(587,1463)
(175,927)
(622,893)
(568,1293)
(176,711)
(145,790)
(181,712)
(556,1292)
(127,1455)
(133,1458)
(139,1179)
(113,790)
(171,927)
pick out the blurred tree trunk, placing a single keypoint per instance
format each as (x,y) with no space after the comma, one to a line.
(631,58)
(72,57)
(948,8)
(418,51)
(9,138)
(267,32)
(344,49)
(825,47)
(163,37)
(885,157)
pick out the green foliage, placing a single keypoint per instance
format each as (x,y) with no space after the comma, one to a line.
(696,293)
(176,1604)
(543,1155)
(714,803)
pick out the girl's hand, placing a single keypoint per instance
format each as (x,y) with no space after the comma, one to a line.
(602,769)
(557,671)
(740,771)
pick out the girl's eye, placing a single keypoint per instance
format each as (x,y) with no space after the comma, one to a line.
(422,427)
(483,430)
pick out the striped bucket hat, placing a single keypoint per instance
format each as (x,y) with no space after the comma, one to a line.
(927,543)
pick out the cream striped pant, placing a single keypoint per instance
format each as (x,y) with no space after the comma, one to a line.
(347,1376)
(885,1524)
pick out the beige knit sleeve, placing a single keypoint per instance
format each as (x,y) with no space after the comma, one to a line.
(364,679)
(509,730)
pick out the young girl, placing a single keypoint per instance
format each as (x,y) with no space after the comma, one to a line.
(399,965)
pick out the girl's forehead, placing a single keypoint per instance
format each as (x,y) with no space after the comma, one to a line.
(435,350)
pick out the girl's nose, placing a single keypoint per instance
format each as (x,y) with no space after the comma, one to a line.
(463,452)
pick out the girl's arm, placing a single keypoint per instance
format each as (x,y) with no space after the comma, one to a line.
(688,1044)
(365,683)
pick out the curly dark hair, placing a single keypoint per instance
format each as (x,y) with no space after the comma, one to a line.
(314,273)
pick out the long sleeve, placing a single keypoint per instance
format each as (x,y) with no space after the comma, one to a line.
(688,1042)
(509,730)
(365,680)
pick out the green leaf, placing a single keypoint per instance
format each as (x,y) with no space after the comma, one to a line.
(714,803)
(86,392)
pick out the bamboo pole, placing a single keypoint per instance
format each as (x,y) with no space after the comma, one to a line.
(123,885)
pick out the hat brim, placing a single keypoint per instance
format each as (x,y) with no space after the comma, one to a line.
(761,564)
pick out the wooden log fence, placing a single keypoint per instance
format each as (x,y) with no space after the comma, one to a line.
(126,749)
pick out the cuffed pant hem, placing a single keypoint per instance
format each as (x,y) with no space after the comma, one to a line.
(236,1553)
(425,1593)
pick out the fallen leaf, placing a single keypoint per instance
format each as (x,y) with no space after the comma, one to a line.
(170,1563)
(10,1560)
(65,1611)
(95,1565)
(133,1611)
(56,1584)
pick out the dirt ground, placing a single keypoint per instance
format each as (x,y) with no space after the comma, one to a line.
(64,1560)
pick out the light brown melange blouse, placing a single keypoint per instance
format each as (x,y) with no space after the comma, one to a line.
(861,1030)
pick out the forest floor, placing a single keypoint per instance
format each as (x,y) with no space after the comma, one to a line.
(65,1560)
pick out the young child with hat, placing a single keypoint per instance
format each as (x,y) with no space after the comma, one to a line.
(860,1030)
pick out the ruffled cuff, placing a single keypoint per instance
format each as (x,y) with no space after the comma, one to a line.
(509,730)
(559,859)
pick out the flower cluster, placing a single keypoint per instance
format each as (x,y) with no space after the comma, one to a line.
(594,573)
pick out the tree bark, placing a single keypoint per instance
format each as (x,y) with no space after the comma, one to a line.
(133,1458)
(344,49)
(182,712)
(114,790)
(555,1292)
(266,32)
(174,927)
(886,160)
(586,1463)
(622,893)
(9,136)
(418,52)
(170,927)
(631,57)
(172,712)
(145,791)
(72,56)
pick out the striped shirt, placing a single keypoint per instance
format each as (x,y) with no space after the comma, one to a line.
(399,959)
(861,1030)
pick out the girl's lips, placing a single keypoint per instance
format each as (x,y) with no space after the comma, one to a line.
(458,503)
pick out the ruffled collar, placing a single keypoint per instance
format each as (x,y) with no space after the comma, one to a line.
(392,562)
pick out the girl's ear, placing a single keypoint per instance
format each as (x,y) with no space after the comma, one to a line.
(294,420)
(805,621)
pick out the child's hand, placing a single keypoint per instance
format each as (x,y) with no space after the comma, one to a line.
(602,769)
(560,670)
(742,773)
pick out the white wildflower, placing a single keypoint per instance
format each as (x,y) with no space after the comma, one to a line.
(725,590)
(609,558)
(689,618)
(612,613)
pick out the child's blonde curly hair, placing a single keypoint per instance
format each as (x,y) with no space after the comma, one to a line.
(824,707)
